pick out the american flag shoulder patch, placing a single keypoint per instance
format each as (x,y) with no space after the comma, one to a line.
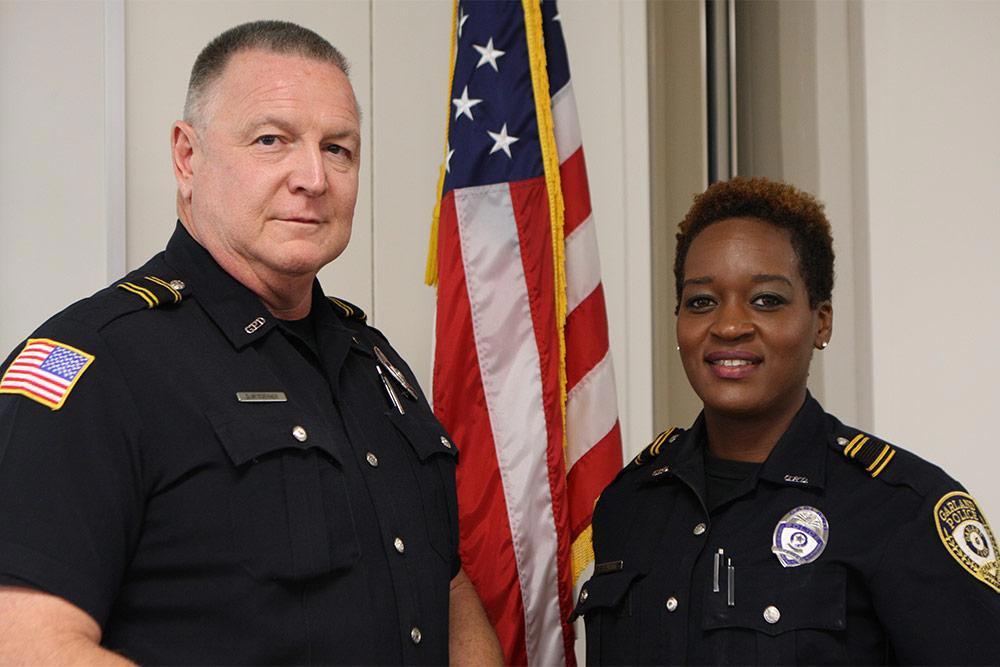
(45,371)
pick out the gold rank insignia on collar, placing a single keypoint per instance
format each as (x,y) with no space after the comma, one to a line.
(154,291)
(872,454)
(653,450)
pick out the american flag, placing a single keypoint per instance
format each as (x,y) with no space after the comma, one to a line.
(522,375)
(45,371)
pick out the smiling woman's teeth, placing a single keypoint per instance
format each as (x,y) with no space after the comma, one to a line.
(732,362)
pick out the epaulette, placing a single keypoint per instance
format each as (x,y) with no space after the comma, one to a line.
(152,291)
(653,450)
(871,454)
(348,310)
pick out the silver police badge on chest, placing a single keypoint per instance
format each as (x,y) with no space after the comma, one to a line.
(800,537)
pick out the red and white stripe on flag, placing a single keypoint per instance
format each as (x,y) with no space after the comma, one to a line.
(523,377)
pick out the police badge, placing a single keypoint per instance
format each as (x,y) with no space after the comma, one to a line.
(800,537)
(968,538)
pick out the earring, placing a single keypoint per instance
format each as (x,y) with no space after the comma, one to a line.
(678,348)
(823,345)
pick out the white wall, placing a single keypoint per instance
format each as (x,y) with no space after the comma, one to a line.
(932,91)
(53,176)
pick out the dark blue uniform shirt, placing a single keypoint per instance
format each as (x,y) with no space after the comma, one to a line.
(212,490)
(843,548)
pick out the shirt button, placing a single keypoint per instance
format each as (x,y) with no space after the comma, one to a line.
(772,615)
(445,442)
(372,459)
(177,284)
(699,529)
(398,543)
(842,441)
(415,635)
(671,603)
(584,594)
(300,434)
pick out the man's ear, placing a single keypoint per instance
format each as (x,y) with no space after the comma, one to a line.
(183,144)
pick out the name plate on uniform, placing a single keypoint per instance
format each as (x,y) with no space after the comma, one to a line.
(261,396)
(610,566)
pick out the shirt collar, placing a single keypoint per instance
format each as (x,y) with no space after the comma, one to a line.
(798,458)
(237,311)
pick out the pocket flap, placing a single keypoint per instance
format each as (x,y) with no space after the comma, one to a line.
(425,435)
(604,591)
(247,437)
(774,602)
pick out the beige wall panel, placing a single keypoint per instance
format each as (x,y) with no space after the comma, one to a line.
(933,143)
(52,171)
(163,39)
(410,53)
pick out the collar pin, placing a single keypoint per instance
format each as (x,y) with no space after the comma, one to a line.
(253,326)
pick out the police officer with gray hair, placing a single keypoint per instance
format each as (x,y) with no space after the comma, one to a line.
(210,461)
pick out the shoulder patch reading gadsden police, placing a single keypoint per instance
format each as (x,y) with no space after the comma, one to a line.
(45,371)
(967,536)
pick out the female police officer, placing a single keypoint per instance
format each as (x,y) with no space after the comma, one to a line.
(770,532)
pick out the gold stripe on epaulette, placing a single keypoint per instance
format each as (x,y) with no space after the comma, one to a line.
(892,452)
(855,445)
(164,283)
(142,292)
(653,449)
(878,459)
(343,306)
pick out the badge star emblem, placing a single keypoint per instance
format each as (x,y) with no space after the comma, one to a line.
(488,55)
(463,105)
(502,141)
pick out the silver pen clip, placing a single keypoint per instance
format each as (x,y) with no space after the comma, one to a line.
(718,565)
(393,398)
(730,582)
(396,374)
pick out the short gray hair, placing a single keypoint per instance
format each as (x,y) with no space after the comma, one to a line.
(273,36)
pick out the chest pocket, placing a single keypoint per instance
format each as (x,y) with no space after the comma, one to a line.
(796,614)
(434,469)
(607,606)
(291,512)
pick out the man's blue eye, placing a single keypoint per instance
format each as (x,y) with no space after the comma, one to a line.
(335,149)
(268,140)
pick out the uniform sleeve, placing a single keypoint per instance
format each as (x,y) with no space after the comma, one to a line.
(69,482)
(936,588)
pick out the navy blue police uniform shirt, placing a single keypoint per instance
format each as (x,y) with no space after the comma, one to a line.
(838,549)
(212,490)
